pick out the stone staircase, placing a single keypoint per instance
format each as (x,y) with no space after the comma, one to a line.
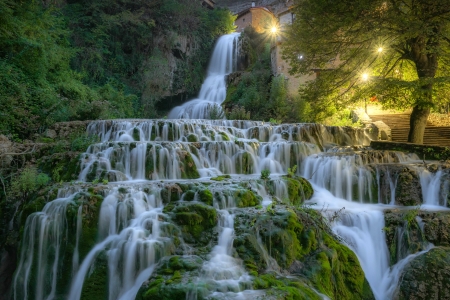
(399,124)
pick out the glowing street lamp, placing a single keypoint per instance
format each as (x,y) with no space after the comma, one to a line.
(380,49)
(274,30)
(365,76)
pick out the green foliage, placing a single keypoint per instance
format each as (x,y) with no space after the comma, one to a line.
(291,171)
(265,174)
(410,216)
(81,143)
(27,182)
(238,112)
(216,112)
(401,46)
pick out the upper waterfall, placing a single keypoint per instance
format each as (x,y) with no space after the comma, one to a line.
(213,91)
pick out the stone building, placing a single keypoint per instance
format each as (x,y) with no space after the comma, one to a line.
(259,17)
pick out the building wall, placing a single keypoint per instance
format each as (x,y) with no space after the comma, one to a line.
(262,19)
(243,21)
(258,17)
(281,67)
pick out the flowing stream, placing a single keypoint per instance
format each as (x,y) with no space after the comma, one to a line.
(138,159)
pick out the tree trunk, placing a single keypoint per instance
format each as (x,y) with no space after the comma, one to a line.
(417,123)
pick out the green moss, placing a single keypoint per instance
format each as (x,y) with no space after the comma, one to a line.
(173,280)
(188,167)
(63,166)
(96,283)
(192,138)
(284,288)
(246,164)
(92,174)
(136,134)
(206,196)
(301,243)
(221,177)
(299,189)
(224,136)
(189,195)
(194,219)
(246,198)
(32,207)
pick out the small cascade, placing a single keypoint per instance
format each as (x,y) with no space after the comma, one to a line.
(43,245)
(213,91)
(431,187)
(351,175)
(133,239)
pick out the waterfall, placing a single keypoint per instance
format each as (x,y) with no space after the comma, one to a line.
(214,90)
(133,180)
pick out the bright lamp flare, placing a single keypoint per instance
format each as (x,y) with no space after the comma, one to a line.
(365,76)
(274,29)
(380,49)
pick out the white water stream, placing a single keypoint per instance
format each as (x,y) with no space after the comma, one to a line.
(214,90)
(139,157)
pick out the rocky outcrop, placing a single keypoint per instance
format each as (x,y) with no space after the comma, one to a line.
(426,277)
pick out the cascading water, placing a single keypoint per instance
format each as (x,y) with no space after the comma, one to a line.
(117,222)
(214,90)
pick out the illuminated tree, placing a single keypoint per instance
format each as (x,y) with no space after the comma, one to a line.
(403,47)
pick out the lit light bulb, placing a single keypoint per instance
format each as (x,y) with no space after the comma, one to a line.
(274,29)
(365,76)
(380,49)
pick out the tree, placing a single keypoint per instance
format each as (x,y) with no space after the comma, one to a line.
(402,45)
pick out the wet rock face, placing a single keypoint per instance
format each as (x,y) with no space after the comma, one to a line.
(408,190)
(426,277)
(437,227)
(404,235)
(410,231)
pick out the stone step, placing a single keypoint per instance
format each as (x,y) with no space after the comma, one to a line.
(399,124)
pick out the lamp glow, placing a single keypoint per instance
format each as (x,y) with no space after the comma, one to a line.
(274,29)
(365,77)
(380,49)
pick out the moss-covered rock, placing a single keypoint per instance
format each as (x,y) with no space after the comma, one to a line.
(403,233)
(196,220)
(246,198)
(427,276)
(299,189)
(221,177)
(174,279)
(302,245)
(284,288)
(188,167)
(63,166)
(206,196)
(95,285)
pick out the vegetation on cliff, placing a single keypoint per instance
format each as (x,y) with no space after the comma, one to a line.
(81,60)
